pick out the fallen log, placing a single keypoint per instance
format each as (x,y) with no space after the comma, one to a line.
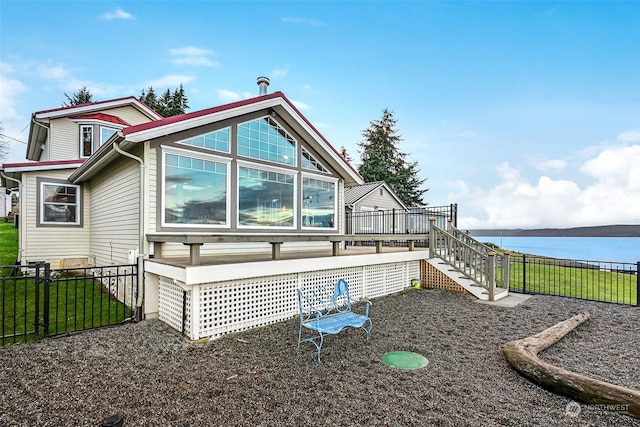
(523,356)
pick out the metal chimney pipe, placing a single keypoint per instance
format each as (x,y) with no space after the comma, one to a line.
(263,82)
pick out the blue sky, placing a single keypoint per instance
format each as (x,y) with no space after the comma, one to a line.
(526,114)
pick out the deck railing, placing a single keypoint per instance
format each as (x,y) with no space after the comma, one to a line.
(399,221)
(477,262)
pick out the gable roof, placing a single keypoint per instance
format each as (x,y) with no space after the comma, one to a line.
(39,127)
(356,193)
(276,101)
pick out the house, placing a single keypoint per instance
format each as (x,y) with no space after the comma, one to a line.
(373,207)
(226,210)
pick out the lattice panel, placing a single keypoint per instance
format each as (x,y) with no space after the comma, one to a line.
(434,279)
(170,300)
(374,277)
(396,277)
(413,270)
(239,305)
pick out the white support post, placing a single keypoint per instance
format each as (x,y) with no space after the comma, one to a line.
(194,332)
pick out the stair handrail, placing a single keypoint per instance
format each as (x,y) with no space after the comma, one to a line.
(478,262)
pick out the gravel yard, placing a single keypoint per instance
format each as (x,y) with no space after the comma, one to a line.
(148,373)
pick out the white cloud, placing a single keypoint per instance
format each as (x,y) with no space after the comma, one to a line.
(611,196)
(226,95)
(300,105)
(306,87)
(192,55)
(118,14)
(169,81)
(280,72)
(630,136)
(551,166)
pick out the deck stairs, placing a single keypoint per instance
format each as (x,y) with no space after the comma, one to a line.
(476,267)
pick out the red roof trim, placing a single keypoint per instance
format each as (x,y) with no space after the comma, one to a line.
(101,116)
(199,113)
(87,104)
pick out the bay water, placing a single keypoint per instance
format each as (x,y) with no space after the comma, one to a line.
(614,249)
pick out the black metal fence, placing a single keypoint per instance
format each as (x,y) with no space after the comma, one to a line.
(614,282)
(399,221)
(37,302)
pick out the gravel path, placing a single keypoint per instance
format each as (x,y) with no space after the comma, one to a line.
(151,376)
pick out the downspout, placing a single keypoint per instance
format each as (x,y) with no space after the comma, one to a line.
(20,200)
(140,299)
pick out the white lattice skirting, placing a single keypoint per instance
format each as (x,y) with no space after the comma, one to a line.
(215,309)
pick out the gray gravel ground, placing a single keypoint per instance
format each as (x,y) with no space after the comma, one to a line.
(151,376)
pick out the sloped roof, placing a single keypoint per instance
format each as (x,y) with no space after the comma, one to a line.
(101,117)
(356,193)
(276,102)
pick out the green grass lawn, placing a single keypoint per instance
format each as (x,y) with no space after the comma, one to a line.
(554,277)
(75,303)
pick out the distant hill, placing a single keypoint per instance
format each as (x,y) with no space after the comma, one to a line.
(599,231)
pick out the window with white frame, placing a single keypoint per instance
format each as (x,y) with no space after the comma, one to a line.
(86,140)
(196,189)
(265,139)
(310,162)
(318,202)
(265,197)
(105,134)
(59,204)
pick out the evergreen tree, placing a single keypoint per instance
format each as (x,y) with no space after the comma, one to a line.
(345,154)
(168,104)
(149,98)
(382,160)
(82,96)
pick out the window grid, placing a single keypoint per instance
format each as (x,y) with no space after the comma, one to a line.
(265,139)
(218,140)
(310,162)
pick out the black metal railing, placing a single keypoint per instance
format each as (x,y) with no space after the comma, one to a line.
(605,281)
(400,221)
(37,302)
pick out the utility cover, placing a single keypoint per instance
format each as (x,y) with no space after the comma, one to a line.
(405,360)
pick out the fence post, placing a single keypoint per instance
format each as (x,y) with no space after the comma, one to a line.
(638,284)
(506,270)
(47,288)
(36,313)
(393,222)
(524,273)
(432,237)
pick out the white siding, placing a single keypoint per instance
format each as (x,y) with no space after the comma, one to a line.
(115,213)
(51,243)
(384,202)
(151,189)
(64,140)
(129,115)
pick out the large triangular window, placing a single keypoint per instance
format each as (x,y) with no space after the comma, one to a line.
(218,140)
(265,139)
(311,163)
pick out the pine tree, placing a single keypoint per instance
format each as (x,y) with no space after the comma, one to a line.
(149,98)
(345,155)
(168,104)
(82,96)
(382,160)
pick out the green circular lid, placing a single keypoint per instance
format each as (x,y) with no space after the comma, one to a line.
(405,360)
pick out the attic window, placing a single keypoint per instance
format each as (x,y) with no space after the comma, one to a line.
(310,162)
(218,140)
(105,134)
(265,139)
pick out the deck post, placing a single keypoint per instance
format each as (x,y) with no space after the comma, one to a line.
(491,275)
(336,248)
(378,246)
(194,253)
(432,237)
(275,250)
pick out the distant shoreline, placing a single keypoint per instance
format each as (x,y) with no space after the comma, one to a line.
(597,231)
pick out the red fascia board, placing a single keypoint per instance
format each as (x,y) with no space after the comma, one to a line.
(84,105)
(103,117)
(199,113)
